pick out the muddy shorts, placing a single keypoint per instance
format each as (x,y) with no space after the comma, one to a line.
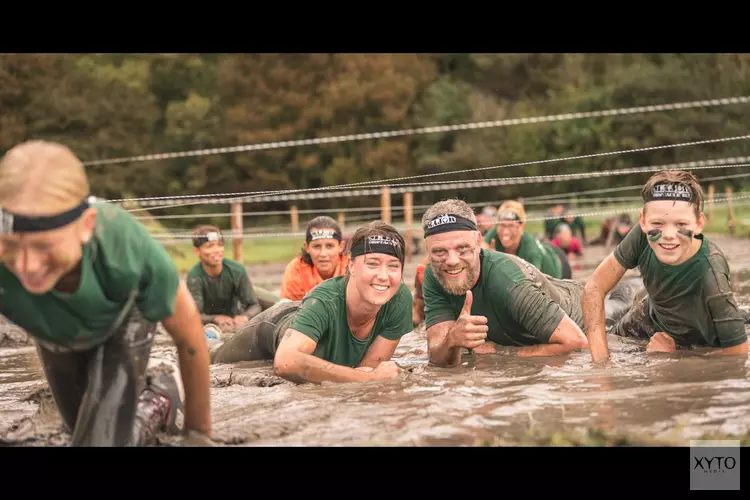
(258,339)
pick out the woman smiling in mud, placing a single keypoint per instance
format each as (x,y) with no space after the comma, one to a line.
(346,329)
(690,300)
(322,257)
(89,284)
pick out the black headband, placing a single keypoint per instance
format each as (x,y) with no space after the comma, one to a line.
(448,222)
(198,241)
(675,191)
(323,234)
(377,244)
(14,223)
(508,215)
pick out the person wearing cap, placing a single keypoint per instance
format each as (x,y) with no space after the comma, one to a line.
(493,302)
(509,236)
(322,257)
(346,329)
(90,285)
(221,288)
(689,300)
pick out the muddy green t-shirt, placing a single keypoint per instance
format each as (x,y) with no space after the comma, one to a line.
(322,317)
(120,258)
(522,305)
(229,294)
(532,251)
(693,302)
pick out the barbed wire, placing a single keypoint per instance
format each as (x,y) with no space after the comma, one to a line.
(425,130)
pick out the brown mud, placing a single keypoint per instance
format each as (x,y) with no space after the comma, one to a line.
(639,399)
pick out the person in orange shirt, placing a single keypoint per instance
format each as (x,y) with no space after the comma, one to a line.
(322,258)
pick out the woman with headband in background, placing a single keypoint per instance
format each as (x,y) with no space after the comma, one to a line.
(344,330)
(509,236)
(322,258)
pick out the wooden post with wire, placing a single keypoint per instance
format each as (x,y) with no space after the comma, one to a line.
(408,214)
(237,231)
(710,214)
(295,219)
(341,222)
(730,210)
(385,204)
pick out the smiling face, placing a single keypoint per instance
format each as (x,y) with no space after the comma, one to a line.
(325,254)
(376,277)
(211,253)
(669,227)
(455,259)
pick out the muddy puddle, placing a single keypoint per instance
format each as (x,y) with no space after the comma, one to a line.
(654,399)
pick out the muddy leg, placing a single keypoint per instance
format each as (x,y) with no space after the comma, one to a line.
(636,323)
(67,377)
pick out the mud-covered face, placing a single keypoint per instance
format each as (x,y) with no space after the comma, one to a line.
(455,259)
(376,276)
(40,259)
(211,253)
(670,227)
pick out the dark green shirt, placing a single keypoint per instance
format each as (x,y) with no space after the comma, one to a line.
(692,302)
(522,305)
(229,294)
(533,251)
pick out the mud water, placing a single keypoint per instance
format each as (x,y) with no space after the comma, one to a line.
(662,399)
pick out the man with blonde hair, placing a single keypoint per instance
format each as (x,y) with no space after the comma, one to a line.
(89,284)
(473,295)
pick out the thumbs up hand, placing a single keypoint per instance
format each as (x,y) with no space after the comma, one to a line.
(468,331)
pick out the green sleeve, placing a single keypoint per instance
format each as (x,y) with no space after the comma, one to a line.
(727,318)
(531,308)
(245,289)
(531,251)
(399,323)
(139,261)
(312,318)
(629,251)
(195,287)
(437,308)
(490,235)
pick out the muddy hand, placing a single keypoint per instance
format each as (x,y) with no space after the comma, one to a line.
(661,342)
(468,331)
(488,347)
(385,370)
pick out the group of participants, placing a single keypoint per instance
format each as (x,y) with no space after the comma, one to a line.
(90,285)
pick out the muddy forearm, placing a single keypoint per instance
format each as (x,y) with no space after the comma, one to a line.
(196,380)
(593,319)
(299,367)
(441,350)
(544,350)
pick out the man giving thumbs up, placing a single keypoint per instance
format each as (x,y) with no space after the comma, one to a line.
(477,298)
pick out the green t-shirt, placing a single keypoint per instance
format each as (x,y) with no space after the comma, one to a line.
(229,294)
(522,305)
(692,302)
(532,251)
(322,317)
(120,258)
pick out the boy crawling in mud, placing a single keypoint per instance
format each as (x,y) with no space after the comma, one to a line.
(474,294)
(220,287)
(89,284)
(346,329)
(689,300)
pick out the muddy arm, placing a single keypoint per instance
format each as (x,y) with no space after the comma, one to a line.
(567,337)
(734,350)
(382,349)
(295,362)
(186,329)
(604,279)
(442,351)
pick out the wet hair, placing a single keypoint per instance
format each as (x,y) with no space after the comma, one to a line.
(452,206)
(678,176)
(379,228)
(48,171)
(200,235)
(321,222)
